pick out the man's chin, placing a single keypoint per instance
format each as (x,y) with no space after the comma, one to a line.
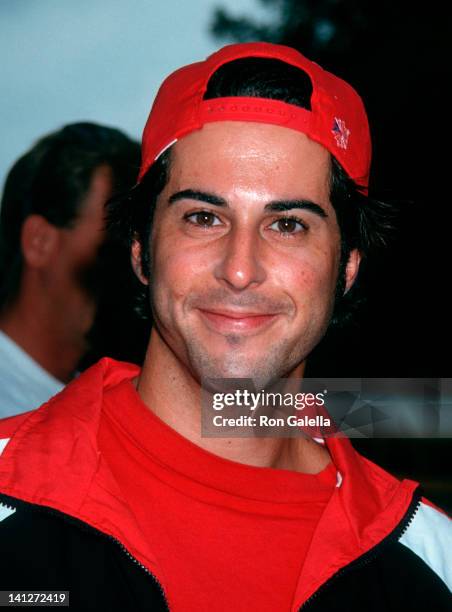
(237,357)
(208,368)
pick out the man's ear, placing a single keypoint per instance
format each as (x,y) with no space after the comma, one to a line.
(135,256)
(351,271)
(39,239)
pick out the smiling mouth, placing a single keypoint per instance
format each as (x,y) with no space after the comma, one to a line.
(235,322)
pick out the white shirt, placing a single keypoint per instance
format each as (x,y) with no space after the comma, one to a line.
(24,384)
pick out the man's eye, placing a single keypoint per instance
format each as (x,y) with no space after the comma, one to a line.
(203,219)
(288,225)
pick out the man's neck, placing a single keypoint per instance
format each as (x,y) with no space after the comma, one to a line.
(33,332)
(168,389)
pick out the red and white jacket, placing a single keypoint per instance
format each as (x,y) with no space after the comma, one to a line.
(63,524)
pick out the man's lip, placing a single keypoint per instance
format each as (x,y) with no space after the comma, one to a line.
(237,314)
(237,321)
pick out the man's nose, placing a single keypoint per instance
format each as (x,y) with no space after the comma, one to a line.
(240,264)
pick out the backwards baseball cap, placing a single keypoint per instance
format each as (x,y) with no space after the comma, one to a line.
(337,119)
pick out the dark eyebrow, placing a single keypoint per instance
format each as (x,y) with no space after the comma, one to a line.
(200,196)
(282,205)
(276,206)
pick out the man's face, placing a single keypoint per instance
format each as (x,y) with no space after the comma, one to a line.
(245,251)
(77,251)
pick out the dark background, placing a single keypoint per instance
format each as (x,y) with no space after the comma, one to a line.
(398,56)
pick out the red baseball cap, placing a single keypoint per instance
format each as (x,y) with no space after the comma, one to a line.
(337,119)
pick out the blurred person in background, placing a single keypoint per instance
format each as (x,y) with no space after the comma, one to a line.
(52,247)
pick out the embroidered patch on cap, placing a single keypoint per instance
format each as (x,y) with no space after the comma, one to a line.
(341,133)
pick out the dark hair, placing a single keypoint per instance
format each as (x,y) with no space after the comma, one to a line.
(364,223)
(51,180)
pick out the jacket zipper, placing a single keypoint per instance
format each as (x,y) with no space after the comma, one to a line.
(89,528)
(143,567)
(358,563)
(374,552)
